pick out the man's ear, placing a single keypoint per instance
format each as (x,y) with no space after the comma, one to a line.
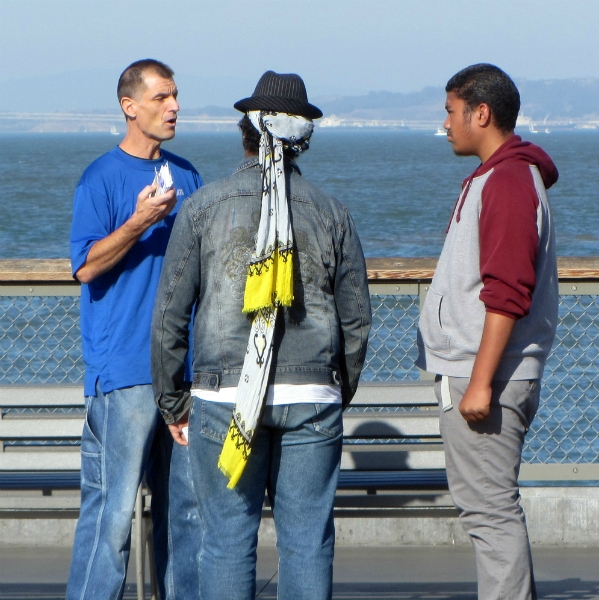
(482,114)
(129,107)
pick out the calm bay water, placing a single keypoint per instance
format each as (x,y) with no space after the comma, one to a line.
(400,186)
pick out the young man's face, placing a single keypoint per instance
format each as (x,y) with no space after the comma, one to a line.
(460,133)
(156,108)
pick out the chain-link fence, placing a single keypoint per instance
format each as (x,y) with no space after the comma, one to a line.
(40,343)
(40,340)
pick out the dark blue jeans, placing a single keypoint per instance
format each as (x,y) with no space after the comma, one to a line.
(296,458)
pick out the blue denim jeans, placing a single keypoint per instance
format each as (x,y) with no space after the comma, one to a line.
(124,437)
(296,458)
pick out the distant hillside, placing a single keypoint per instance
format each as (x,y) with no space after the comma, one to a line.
(558,98)
(426,104)
(558,102)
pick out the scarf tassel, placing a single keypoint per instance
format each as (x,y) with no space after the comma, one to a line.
(269,282)
(234,455)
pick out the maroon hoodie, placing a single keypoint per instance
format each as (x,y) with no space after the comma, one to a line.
(508,224)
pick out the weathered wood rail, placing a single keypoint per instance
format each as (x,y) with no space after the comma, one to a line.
(58,270)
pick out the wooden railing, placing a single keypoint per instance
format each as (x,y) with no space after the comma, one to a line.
(58,270)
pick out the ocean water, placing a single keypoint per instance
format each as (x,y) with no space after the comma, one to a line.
(399,186)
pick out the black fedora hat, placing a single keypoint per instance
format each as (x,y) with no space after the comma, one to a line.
(280,92)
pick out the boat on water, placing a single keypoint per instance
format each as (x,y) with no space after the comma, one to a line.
(113,130)
(332,121)
(441,131)
(532,129)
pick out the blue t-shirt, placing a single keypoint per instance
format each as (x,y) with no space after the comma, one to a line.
(116,307)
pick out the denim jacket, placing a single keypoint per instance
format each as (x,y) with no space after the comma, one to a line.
(320,339)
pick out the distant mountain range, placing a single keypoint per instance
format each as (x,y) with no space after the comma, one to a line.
(552,98)
(553,101)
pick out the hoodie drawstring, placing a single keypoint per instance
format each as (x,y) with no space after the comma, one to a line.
(459,203)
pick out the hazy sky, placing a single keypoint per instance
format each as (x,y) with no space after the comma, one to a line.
(61,54)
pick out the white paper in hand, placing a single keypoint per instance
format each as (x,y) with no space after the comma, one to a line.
(163,180)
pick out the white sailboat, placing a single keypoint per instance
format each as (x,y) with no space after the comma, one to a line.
(113,130)
(441,131)
(532,128)
(547,130)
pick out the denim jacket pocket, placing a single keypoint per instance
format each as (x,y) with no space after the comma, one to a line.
(431,325)
(207,381)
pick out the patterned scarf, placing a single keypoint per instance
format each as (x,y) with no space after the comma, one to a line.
(269,282)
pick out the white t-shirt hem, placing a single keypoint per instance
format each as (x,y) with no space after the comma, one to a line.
(279,394)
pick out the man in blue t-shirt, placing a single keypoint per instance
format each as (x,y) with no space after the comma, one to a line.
(119,235)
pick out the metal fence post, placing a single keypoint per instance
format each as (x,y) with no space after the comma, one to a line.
(422,292)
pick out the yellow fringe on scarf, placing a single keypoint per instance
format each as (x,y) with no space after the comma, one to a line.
(234,455)
(269,281)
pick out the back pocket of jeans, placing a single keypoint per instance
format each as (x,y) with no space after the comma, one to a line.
(328,419)
(215,419)
(91,457)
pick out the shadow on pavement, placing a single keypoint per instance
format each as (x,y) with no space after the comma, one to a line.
(567,589)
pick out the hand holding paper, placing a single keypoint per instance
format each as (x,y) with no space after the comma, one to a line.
(163,180)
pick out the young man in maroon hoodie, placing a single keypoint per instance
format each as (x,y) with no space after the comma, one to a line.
(489,320)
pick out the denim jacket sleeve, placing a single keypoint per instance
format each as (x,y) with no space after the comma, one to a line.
(177,292)
(352,300)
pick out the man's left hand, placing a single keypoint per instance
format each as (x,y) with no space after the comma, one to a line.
(176,430)
(475,405)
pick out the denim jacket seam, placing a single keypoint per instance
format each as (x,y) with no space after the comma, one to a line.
(329,214)
(171,410)
(360,303)
(222,350)
(210,204)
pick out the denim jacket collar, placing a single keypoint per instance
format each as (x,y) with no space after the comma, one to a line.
(247,163)
(252,161)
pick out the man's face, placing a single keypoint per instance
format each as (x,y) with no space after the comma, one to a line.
(156,108)
(460,133)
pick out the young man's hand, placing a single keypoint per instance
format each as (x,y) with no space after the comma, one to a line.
(177,432)
(476,403)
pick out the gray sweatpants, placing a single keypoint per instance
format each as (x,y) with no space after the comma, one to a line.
(483,463)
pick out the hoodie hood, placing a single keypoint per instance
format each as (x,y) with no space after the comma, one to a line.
(512,149)
(531,154)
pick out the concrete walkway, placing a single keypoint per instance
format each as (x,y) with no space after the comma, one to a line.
(390,573)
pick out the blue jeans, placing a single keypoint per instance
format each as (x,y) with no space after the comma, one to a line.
(296,458)
(124,437)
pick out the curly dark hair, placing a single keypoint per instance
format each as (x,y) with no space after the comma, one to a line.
(489,84)
(250,137)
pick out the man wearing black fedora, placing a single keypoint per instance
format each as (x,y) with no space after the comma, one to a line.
(273,271)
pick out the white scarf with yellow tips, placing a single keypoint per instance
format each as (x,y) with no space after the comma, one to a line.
(269,282)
